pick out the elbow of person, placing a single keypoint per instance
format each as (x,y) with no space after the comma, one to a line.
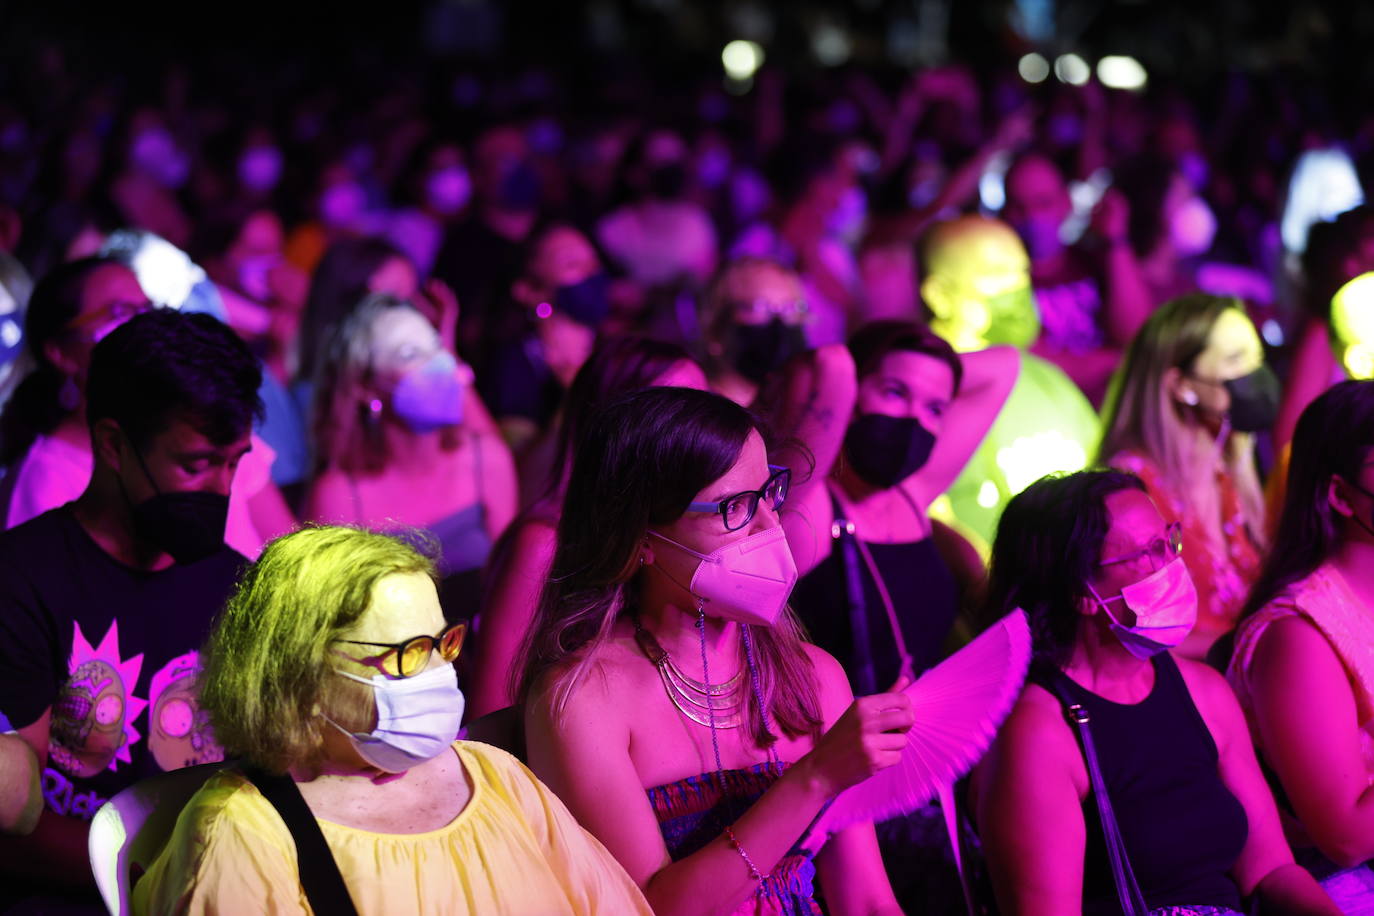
(834,362)
(1348,855)
(25,822)
(1347,850)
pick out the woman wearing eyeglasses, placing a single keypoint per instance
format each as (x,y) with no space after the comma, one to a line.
(1182,413)
(669,697)
(1303,664)
(333,665)
(1098,572)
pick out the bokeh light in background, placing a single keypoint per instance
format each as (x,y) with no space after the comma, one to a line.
(741,59)
(1072,69)
(1120,71)
(1033,67)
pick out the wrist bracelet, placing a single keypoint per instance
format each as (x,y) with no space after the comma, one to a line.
(734,844)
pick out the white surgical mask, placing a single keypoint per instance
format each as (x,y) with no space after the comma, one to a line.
(417,718)
(747,580)
(1165,607)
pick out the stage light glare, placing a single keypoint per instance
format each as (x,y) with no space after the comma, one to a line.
(1118,71)
(1033,68)
(1071,69)
(741,59)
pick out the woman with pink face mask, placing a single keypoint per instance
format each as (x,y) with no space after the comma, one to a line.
(401,438)
(669,698)
(1153,802)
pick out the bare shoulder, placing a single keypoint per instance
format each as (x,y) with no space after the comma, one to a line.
(1215,700)
(1037,730)
(330,498)
(591,686)
(1205,683)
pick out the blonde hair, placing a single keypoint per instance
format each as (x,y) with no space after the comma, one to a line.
(266,669)
(1141,416)
(346,432)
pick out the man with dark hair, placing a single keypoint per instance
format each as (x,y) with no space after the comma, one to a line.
(104,601)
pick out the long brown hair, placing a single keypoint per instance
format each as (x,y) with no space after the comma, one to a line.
(640,463)
(1140,414)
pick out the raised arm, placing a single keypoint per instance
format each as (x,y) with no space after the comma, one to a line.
(989,376)
(1266,865)
(817,401)
(1127,296)
(583,755)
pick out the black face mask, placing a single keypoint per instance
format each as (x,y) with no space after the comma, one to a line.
(1254,400)
(885,450)
(756,350)
(587,302)
(519,189)
(187,525)
(668,181)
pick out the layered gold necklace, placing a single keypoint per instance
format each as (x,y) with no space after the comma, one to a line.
(697,700)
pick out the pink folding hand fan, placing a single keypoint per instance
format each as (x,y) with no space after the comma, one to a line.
(959,705)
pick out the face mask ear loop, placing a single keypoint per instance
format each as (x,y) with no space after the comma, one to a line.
(769,738)
(710,707)
(1219,445)
(1106,609)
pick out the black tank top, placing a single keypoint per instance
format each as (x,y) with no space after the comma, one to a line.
(1183,828)
(924,595)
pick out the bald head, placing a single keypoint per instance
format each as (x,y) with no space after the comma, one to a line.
(976,283)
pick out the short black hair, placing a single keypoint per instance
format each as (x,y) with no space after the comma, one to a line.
(164,365)
(1046,552)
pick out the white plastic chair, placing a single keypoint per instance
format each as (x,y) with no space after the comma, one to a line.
(133,826)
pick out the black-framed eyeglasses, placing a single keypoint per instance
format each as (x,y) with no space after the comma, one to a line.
(738,510)
(409,657)
(1160,550)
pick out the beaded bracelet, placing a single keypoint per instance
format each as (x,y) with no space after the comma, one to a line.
(734,844)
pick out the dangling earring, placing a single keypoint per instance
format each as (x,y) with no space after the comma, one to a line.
(374,413)
(69,395)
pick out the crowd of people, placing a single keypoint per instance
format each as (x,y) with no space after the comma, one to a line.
(555,492)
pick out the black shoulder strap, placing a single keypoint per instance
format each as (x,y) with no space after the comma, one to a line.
(324,885)
(1127,890)
(864,678)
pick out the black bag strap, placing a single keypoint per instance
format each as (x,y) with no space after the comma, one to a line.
(842,529)
(1127,890)
(324,885)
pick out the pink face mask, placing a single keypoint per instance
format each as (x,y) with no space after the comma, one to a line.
(1165,607)
(747,581)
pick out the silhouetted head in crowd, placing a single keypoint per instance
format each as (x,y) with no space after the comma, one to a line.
(565,294)
(617,367)
(71,309)
(976,284)
(1037,205)
(1330,492)
(349,271)
(753,321)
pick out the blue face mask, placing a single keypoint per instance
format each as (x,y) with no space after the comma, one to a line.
(587,302)
(431,396)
